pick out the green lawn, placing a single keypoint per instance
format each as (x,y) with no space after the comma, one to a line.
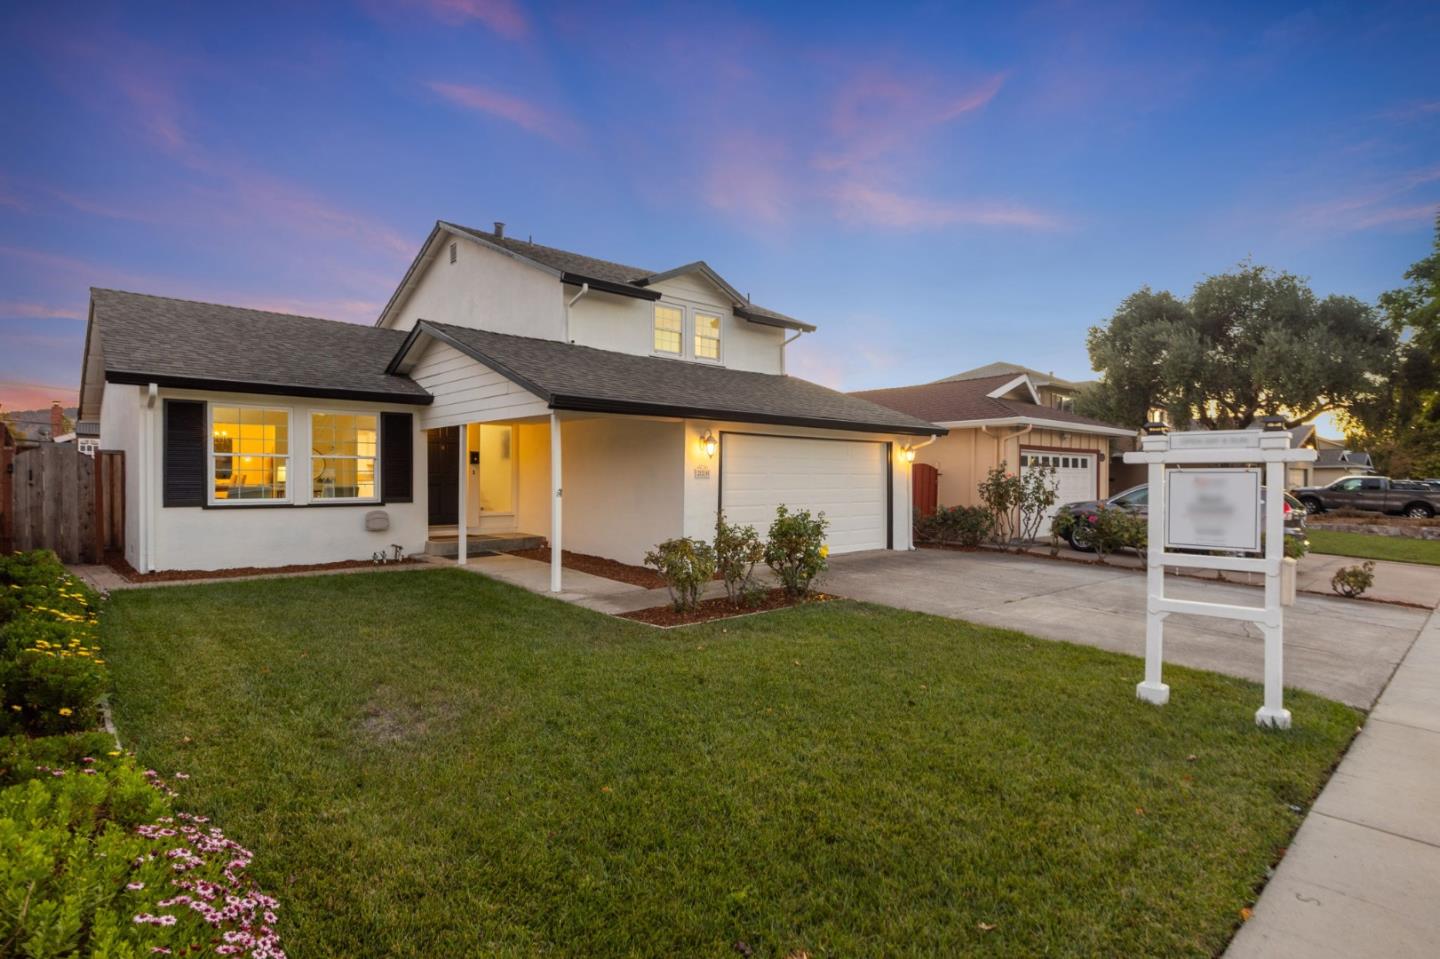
(433,764)
(1366,546)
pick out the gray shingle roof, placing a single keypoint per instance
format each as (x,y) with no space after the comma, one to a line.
(608,271)
(953,401)
(205,345)
(575,377)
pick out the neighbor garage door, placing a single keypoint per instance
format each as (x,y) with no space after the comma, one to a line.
(847,480)
(1077,475)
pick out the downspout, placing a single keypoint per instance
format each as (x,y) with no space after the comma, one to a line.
(785,343)
(910,490)
(153,478)
(584,288)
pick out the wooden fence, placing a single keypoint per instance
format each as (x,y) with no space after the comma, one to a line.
(63,500)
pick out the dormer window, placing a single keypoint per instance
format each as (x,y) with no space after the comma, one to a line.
(669,329)
(707,336)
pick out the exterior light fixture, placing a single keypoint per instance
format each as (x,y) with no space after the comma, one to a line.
(908,452)
(709,443)
(1273,424)
(1155,427)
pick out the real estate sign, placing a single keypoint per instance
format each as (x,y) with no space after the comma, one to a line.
(1215,509)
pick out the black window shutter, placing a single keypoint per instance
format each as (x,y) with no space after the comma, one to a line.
(184,453)
(397,457)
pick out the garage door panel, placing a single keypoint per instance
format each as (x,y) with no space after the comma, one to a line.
(845,479)
(1076,474)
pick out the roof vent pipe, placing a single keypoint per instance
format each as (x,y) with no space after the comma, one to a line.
(499,229)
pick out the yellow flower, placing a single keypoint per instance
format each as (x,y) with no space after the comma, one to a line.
(113,752)
(65,710)
(15,708)
(824,551)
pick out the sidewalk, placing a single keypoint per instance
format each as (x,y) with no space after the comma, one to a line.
(1362,877)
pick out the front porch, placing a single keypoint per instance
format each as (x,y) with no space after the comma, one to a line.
(444,543)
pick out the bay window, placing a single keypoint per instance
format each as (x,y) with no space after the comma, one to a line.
(342,456)
(249,454)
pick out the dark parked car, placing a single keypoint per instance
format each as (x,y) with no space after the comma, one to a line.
(1378,494)
(1136,499)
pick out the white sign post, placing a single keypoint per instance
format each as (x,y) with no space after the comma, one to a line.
(1209,508)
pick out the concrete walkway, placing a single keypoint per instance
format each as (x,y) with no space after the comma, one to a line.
(1343,649)
(1362,877)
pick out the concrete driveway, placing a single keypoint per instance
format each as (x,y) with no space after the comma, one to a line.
(1342,649)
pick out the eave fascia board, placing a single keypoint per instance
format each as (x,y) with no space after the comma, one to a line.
(587,404)
(784,324)
(208,385)
(1024,378)
(1045,424)
(609,286)
(704,269)
(403,290)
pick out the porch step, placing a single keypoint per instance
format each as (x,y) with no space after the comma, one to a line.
(480,544)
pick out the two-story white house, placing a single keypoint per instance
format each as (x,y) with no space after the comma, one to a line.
(509,392)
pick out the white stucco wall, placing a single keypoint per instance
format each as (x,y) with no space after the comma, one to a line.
(120,417)
(487,290)
(223,537)
(622,489)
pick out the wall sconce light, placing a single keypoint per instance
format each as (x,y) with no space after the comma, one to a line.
(908,452)
(708,443)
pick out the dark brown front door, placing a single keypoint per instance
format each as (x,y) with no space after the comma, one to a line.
(444,479)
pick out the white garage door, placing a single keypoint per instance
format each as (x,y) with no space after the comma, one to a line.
(846,479)
(1075,475)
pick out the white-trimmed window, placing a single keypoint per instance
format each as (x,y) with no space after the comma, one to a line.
(669,329)
(343,456)
(249,454)
(707,335)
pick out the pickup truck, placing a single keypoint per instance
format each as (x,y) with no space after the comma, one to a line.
(1378,494)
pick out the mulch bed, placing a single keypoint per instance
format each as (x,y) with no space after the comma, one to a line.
(721,608)
(598,566)
(130,574)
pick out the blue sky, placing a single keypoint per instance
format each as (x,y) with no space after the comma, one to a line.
(936,188)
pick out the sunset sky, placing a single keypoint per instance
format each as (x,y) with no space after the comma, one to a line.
(935,189)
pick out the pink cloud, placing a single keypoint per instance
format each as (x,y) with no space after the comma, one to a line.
(37,311)
(16,395)
(746,177)
(523,113)
(878,113)
(1374,206)
(502,16)
(872,206)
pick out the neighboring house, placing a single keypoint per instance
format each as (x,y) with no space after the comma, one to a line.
(85,435)
(1002,419)
(1051,389)
(43,426)
(500,374)
(1334,462)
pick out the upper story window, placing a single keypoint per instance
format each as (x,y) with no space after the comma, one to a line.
(707,336)
(669,329)
(249,454)
(342,456)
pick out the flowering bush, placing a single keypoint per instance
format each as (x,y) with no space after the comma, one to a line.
(965,525)
(686,565)
(1001,491)
(1113,529)
(796,549)
(737,551)
(1352,581)
(98,864)
(51,673)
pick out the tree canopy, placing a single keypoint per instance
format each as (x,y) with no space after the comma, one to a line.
(1246,344)
(1399,422)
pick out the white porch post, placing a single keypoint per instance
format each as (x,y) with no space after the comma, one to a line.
(462,516)
(1153,689)
(1274,713)
(556,489)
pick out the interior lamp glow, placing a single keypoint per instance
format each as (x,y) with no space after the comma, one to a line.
(709,443)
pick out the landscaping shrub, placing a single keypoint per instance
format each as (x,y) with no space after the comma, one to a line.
(1296,547)
(1352,581)
(1038,487)
(1000,491)
(1114,529)
(98,864)
(1062,525)
(686,565)
(796,549)
(51,672)
(737,551)
(961,525)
